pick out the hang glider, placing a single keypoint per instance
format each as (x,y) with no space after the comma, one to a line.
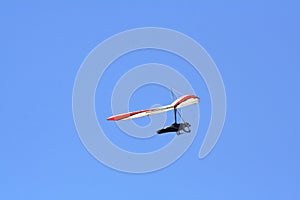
(175,127)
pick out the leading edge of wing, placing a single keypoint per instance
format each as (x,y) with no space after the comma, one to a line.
(140,113)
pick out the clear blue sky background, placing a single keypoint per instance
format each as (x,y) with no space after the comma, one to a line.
(256,47)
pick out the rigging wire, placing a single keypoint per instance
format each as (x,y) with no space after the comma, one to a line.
(172,93)
(180,115)
(177,92)
(174,97)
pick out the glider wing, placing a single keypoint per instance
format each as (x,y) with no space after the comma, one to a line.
(179,103)
(140,113)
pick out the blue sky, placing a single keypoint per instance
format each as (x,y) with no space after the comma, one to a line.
(255,45)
